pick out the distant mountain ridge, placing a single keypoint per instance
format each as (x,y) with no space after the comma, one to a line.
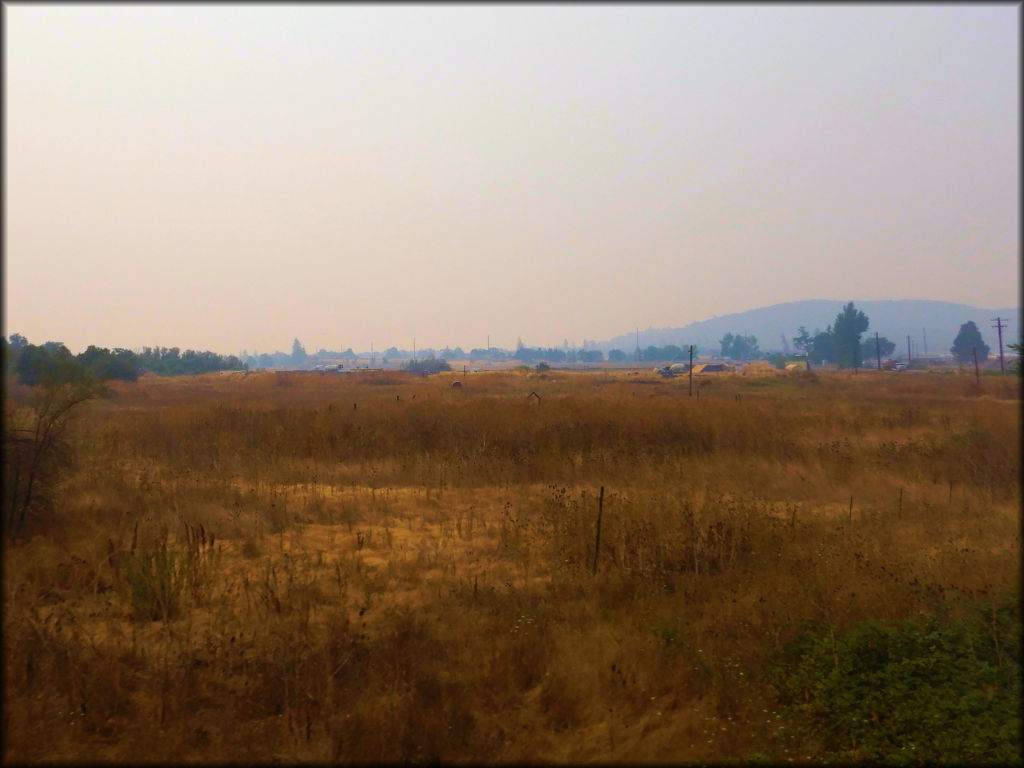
(931,325)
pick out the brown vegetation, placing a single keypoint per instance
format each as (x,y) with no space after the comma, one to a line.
(382,567)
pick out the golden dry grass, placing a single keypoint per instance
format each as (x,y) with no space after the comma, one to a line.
(392,569)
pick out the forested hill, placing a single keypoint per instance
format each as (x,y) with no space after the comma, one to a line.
(932,325)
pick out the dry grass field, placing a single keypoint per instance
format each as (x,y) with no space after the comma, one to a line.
(317,568)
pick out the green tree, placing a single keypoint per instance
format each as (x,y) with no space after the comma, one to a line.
(51,362)
(966,341)
(299,355)
(616,356)
(803,340)
(12,350)
(737,347)
(104,365)
(823,347)
(1016,365)
(868,354)
(847,330)
(726,344)
(745,348)
(525,354)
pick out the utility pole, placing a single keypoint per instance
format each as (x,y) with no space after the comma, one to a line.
(638,345)
(878,352)
(691,370)
(414,349)
(373,360)
(999,325)
(925,337)
(908,350)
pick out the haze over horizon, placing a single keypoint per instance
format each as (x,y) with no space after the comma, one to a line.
(231,177)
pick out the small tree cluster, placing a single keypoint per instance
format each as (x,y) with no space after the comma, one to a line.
(188,362)
(870,352)
(739,347)
(532,354)
(839,343)
(427,365)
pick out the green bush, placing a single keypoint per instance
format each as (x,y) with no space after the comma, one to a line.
(925,690)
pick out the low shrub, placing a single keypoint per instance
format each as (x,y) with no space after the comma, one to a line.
(926,690)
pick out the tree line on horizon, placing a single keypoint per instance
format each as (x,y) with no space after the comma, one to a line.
(33,364)
(840,344)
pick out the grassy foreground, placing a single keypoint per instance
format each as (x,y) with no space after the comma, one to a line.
(385,568)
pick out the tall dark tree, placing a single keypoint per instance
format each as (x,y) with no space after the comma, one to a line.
(726,344)
(745,348)
(847,330)
(803,341)
(12,350)
(822,348)
(966,341)
(298,353)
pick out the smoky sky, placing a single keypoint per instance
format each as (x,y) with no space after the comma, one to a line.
(231,177)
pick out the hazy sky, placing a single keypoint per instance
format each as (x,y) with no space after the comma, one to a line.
(230,177)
